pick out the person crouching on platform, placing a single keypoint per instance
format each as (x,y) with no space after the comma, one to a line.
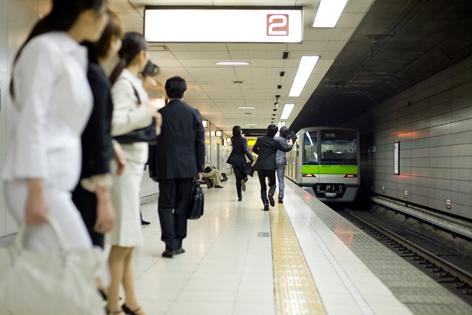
(214,174)
(266,147)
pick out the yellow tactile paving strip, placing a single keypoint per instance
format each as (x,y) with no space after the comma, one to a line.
(295,291)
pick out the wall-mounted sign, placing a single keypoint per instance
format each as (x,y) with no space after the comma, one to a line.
(448,204)
(223,24)
(396,158)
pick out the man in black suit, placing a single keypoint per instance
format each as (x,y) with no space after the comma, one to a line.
(174,162)
(266,148)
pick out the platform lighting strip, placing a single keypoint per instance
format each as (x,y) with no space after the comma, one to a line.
(251,124)
(287,111)
(329,12)
(307,64)
(246,107)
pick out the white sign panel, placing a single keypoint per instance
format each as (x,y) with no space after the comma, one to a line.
(219,25)
(396,158)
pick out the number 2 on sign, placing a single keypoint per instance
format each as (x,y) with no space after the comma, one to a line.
(278,28)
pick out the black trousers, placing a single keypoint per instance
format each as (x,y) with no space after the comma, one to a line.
(174,198)
(272,185)
(86,203)
(240,174)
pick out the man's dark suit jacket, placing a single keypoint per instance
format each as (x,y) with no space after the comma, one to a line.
(97,149)
(180,148)
(266,147)
(239,153)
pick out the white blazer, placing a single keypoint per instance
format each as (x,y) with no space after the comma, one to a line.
(129,115)
(52,105)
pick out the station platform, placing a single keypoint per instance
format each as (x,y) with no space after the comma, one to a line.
(300,257)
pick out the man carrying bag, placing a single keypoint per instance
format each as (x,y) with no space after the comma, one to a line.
(174,162)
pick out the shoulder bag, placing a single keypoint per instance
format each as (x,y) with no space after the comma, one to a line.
(146,134)
(60,282)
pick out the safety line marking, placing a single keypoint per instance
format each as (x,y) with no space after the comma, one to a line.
(295,290)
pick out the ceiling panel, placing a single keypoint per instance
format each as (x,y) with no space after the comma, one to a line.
(211,88)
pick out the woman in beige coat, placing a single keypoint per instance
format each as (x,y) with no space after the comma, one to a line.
(131,112)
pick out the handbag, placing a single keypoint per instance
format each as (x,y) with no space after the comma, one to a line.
(147,134)
(249,170)
(50,283)
(195,210)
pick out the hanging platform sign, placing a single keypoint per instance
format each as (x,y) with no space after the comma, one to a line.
(223,24)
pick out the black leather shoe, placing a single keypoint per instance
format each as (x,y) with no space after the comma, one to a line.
(180,251)
(281,200)
(240,199)
(168,253)
(243,185)
(218,186)
(266,207)
(271,200)
(145,222)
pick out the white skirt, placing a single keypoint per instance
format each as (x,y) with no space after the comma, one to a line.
(127,230)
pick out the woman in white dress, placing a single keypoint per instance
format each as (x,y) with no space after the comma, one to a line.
(131,112)
(52,101)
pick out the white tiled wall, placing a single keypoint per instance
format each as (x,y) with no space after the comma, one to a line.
(432,120)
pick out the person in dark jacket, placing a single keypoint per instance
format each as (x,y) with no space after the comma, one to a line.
(281,161)
(174,162)
(266,148)
(237,158)
(149,82)
(92,196)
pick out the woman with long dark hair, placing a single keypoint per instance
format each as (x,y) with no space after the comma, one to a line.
(52,101)
(92,196)
(237,158)
(131,112)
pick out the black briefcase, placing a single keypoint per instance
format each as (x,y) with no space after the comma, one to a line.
(195,210)
(249,170)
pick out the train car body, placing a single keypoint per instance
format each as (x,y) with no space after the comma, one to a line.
(327,159)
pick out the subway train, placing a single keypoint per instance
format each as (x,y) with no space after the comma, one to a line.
(327,159)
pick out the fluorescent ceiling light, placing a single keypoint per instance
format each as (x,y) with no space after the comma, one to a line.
(246,107)
(251,124)
(329,12)
(218,133)
(307,63)
(232,63)
(287,110)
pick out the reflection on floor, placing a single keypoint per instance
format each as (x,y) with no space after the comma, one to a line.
(227,267)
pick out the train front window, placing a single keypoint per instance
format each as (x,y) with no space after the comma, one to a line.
(339,146)
(310,144)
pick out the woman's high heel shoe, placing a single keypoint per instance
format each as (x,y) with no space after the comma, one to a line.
(130,312)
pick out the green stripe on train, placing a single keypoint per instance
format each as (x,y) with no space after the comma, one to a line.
(330,169)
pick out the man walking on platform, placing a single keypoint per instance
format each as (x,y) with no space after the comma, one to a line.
(174,162)
(266,147)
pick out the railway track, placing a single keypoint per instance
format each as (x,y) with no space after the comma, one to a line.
(457,279)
